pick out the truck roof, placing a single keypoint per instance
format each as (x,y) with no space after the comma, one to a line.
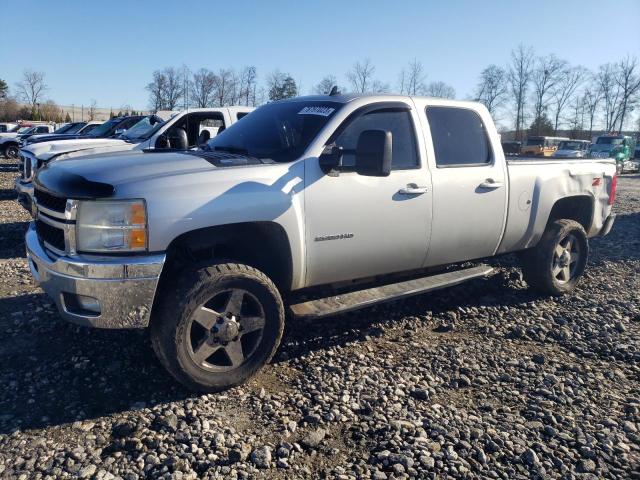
(349,97)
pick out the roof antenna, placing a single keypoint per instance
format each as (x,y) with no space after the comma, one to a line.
(334,91)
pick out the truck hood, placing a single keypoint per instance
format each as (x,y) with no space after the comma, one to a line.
(125,170)
(48,150)
(5,135)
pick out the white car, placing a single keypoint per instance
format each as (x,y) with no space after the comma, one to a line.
(185,130)
(10,141)
(8,127)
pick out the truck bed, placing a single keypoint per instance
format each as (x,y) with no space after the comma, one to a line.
(537,183)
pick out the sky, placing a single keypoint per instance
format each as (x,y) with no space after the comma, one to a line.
(107,50)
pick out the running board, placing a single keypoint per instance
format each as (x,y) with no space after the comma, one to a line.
(364,298)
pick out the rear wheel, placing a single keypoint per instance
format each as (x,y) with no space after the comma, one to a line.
(556,264)
(217,325)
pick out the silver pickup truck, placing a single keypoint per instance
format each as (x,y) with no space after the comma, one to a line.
(308,207)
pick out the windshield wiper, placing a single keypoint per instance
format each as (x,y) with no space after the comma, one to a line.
(231,149)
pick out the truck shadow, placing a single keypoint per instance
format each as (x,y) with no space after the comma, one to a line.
(12,239)
(54,373)
(7,194)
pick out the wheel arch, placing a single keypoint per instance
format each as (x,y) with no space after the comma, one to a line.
(263,245)
(575,207)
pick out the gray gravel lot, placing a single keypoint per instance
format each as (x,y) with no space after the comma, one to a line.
(483,380)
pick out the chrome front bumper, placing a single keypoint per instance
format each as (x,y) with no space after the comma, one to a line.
(25,195)
(105,293)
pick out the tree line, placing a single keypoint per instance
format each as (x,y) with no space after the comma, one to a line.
(551,92)
(532,94)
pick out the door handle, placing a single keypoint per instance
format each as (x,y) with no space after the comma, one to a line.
(413,189)
(490,183)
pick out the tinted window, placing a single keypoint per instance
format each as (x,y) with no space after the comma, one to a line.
(398,122)
(279,131)
(459,137)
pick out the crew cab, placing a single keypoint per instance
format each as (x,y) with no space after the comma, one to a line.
(185,130)
(314,205)
(10,141)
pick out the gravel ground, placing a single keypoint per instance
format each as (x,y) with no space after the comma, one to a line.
(483,380)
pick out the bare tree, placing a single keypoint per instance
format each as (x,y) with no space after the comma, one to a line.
(591,100)
(629,83)
(361,76)
(32,87)
(441,90)
(175,87)
(156,89)
(547,74)
(224,87)
(247,86)
(325,85)
(576,120)
(91,111)
(570,80)
(611,94)
(412,80)
(519,77)
(203,87)
(50,112)
(492,89)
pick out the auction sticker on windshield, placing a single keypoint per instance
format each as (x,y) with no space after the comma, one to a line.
(323,111)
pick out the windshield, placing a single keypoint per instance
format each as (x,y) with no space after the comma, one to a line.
(609,140)
(279,131)
(572,146)
(74,128)
(68,128)
(26,130)
(535,141)
(106,128)
(141,129)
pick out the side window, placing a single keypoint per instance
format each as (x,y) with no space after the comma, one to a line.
(459,137)
(241,114)
(398,122)
(42,130)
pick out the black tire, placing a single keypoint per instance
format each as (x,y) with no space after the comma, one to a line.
(11,151)
(540,264)
(177,315)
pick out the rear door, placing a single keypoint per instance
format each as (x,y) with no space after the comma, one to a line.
(469,183)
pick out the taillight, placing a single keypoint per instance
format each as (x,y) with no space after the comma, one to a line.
(612,189)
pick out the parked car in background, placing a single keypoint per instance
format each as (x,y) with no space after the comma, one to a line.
(572,149)
(10,141)
(188,129)
(511,148)
(619,147)
(68,129)
(8,127)
(109,129)
(637,151)
(319,205)
(541,146)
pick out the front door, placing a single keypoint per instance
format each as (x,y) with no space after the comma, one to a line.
(359,226)
(469,185)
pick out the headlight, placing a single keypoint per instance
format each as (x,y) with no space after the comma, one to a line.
(113,225)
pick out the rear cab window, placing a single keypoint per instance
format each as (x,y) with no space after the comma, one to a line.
(459,137)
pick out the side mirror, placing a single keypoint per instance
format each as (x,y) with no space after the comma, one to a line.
(331,159)
(373,153)
(162,142)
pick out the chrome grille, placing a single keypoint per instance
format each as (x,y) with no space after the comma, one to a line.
(50,202)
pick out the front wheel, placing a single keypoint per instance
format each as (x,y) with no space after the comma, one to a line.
(555,265)
(216,326)
(11,151)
